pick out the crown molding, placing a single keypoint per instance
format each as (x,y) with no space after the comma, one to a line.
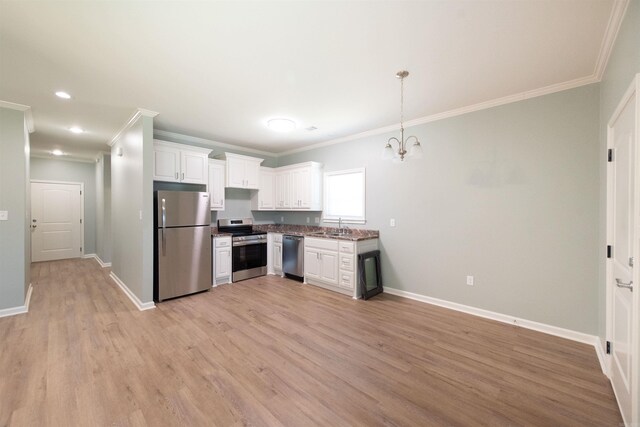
(618,11)
(173,136)
(547,90)
(28,115)
(140,112)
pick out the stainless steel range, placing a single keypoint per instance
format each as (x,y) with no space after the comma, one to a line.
(249,252)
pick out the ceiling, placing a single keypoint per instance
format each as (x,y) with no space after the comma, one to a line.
(219,70)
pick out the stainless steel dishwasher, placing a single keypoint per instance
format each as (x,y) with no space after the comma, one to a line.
(293,256)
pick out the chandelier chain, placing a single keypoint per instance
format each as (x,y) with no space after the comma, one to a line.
(401,103)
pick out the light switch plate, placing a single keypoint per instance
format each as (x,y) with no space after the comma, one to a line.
(392,222)
(4,215)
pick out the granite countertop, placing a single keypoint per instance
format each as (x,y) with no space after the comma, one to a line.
(216,233)
(353,235)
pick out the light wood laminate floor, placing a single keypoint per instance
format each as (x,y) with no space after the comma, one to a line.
(270,351)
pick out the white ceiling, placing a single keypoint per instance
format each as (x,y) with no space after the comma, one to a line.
(219,70)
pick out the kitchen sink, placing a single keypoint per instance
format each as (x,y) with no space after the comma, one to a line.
(329,234)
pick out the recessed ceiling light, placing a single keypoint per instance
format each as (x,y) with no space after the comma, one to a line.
(281,125)
(63,95)
(57,152)
(76,129)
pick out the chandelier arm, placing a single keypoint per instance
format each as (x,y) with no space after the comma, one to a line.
(393,138)
(414,137)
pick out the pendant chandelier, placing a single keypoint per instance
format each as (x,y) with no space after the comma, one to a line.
(404,149)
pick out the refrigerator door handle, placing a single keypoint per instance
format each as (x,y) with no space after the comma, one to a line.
(164,220)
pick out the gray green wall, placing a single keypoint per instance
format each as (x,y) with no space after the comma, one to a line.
(508,195)
(132,193)
(103,207)
(15,238)
(623,65)
(72,171)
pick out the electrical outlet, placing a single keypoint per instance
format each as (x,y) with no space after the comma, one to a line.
(140,215)
(4,215)
(308,220)
(317,220)
(470,280)
(392,222)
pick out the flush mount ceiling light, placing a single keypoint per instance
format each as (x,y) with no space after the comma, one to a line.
(63,95)
(75,129)
(57,152)
(415,150)
(281,125)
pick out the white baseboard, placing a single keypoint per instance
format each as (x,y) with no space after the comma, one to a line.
(97,258)
(504,318)
(134,299)
(602,356)
(12,311)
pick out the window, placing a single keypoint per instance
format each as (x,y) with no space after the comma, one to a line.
(344,196)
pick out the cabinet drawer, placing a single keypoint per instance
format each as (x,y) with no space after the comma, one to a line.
(346,262)
(346,279)
(347,247)
(326,244)
(222,242)
(277,238)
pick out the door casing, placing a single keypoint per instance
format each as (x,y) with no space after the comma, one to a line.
(634,88)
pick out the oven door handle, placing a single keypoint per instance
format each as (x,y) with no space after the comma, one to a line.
(249,243)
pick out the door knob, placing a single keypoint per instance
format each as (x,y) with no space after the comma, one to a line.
(621,284)
(34,226)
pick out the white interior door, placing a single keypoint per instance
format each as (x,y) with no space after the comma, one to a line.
(56,215)
(622,210)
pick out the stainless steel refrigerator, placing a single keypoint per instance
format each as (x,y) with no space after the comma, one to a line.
(182,243)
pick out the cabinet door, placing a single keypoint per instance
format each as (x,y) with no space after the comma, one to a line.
(216,186)
(223,263)
(235,173)
(295,189)
(166,164)
(252,174)
(304,188)
(266,191)
(329,267)
(277,256)
(312,263)
(283,193)
(194,167)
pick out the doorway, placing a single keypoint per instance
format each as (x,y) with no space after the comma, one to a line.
(56,220)
(623,251)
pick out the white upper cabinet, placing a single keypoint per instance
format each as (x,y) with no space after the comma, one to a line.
(243,171)
(180,163)
(216,184)
(299,187)
(166,163)
(283,189)
(264,198)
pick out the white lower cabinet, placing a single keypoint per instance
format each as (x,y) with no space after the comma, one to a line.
(221,260)
(274,253)
(332,263)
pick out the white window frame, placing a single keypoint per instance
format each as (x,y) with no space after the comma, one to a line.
(346,219)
